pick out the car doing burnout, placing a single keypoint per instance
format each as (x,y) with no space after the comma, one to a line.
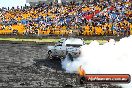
(69,48)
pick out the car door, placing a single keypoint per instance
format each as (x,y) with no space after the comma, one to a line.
(59,50)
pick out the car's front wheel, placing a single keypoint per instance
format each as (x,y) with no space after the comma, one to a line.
(50,55)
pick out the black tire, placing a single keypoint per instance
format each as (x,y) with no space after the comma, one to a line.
(70,57)
(50,55)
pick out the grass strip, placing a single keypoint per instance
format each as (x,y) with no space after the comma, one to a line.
(45,40)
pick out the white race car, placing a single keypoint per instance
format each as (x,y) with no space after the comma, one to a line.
(69,48)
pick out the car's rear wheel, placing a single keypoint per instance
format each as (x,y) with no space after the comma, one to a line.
(70,57)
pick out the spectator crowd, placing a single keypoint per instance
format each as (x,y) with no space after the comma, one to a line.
(104,17)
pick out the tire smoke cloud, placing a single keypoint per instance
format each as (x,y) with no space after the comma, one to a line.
(113,57)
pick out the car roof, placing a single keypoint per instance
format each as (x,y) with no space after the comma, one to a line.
(74,41)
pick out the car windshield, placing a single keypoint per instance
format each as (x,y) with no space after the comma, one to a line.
(73,45)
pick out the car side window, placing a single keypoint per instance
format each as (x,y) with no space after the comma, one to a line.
(59,44)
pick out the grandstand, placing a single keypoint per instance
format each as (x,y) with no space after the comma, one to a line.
(101,18)
(32,2)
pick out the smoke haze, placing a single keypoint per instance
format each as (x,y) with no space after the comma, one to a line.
(110,58)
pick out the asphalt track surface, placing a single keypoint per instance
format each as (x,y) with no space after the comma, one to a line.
(26,65)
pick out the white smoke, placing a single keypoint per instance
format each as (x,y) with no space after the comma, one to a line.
(110,58)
